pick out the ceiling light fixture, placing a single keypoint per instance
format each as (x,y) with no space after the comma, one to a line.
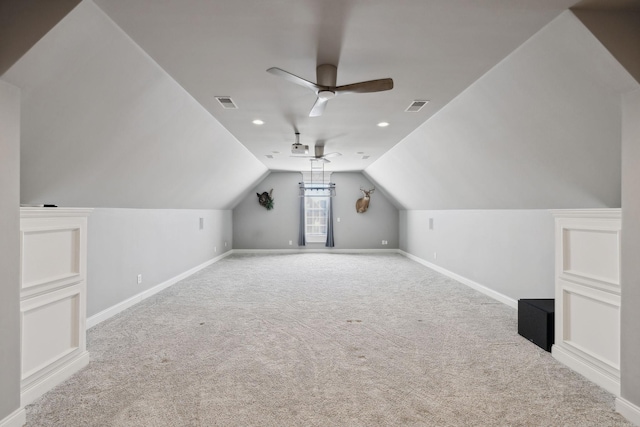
(258,122)
(383,124)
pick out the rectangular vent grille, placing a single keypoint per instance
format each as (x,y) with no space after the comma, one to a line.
(416,106)
(365,157)
(227,102)
(268,156)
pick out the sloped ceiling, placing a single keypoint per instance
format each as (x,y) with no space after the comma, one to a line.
(539,130)
(432,49)
(104,126)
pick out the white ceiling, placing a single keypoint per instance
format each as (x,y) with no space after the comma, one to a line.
(433,50)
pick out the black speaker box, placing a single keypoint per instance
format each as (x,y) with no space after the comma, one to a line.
(536,321)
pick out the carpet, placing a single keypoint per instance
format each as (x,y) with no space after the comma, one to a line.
(320,340)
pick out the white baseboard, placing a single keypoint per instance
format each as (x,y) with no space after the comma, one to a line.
(314,250)
(628,410)
(590,371)
(41,386)
(130,302)
(16,419)
(475,285)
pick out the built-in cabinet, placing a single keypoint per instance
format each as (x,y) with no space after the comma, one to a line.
(53,274)
(587,305)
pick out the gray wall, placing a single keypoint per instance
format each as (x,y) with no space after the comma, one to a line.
(157,243)
(9,249)
(630,319)
(256,228)
(509,251)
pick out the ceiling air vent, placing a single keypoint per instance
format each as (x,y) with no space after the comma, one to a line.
(227,102)
(416,106)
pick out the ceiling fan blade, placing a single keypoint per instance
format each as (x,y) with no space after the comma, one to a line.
(318,107)
(334,154)
(294,79)
(365,87)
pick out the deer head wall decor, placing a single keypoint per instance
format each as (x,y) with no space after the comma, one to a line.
(362,204)
(265,199)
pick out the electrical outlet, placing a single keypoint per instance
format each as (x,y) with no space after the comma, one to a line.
(215,249)
(435,255)
(225,244)
(139,278)
(290,242)
(338,219)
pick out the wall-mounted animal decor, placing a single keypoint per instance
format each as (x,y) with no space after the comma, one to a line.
(362,204)
(265,199)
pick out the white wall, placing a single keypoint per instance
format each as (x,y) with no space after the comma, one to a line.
(630,278)
(9,249)
(256,228)
(160,244)
(510,252)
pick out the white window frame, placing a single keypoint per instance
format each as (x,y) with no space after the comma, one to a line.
(316,232)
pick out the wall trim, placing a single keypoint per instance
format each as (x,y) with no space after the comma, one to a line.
(36,389)
(130,302)
(17,418)
(628,410)
(590,371)
(314,250)
(475,285)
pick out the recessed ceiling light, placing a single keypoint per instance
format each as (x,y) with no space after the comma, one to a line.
(383,124)
(258,122)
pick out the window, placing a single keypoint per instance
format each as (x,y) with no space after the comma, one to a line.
(316,212)
(316,225)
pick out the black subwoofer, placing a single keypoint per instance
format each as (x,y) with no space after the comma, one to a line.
(536,321)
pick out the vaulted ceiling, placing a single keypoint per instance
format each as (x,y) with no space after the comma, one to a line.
(432,50)
(119,103)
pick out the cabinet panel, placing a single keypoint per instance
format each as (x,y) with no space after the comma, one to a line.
(580,258)
(587,308)
(53,260)
(592,323)
(49,255)
(50,329)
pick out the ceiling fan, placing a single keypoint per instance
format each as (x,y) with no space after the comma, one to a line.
(326,89)
(298,148)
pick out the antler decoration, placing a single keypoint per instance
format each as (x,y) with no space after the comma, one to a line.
(266,200)
(362,204)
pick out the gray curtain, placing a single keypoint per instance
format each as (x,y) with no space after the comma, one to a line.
(330,242)
(301,239)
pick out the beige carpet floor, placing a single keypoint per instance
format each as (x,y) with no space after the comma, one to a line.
(320,340)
